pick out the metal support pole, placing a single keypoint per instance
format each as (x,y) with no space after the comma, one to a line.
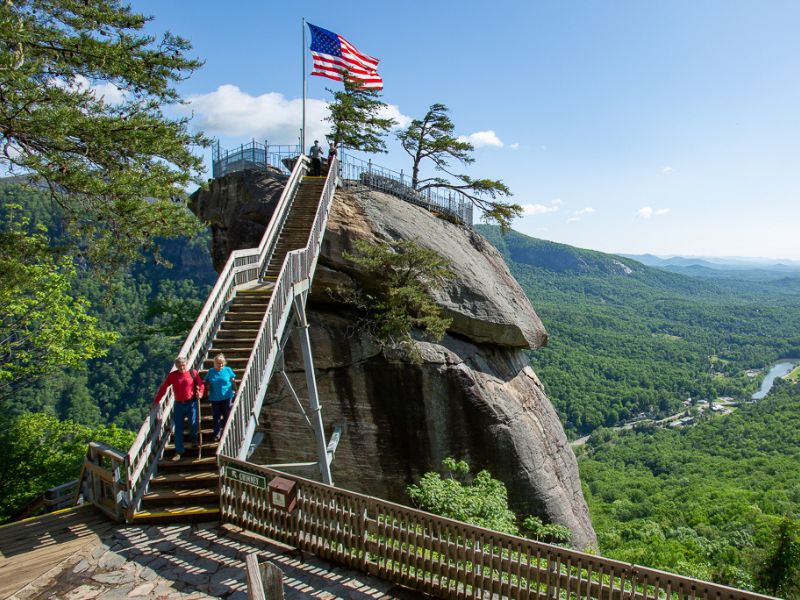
(311,382)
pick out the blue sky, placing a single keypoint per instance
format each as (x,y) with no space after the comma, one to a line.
(623,126)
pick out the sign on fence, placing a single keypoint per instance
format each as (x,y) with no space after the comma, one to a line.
(245,477)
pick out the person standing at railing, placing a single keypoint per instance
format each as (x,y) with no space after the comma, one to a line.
(187,388)
(331,153)
(316,159)
(220,382)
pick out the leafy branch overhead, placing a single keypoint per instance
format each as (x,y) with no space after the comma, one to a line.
(115,163)
(432,138)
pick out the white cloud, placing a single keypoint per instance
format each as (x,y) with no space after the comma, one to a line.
(514,146)
(393,111)
(108,92)
(645,212)
(482,138)
(667,170)
(578,214)
(228,111)
(531,210)
(648,211)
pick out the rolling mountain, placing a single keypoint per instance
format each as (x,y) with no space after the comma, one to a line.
(627,338)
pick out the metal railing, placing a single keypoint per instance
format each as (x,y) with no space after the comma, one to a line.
(353,171)
(439,556)
(295,277)
(356,172)
(253,155)
(243,266)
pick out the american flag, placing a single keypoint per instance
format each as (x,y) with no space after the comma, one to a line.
(335,57)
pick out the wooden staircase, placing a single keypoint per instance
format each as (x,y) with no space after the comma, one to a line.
(188,489)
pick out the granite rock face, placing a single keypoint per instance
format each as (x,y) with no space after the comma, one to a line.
(483,299)
(472,396)
(237,208)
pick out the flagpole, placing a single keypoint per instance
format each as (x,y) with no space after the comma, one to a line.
(303,128)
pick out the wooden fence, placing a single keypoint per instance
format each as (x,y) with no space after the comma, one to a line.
(439,556)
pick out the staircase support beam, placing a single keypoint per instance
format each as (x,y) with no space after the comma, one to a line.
(313,395)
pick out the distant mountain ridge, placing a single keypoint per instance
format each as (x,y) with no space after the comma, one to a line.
(562,260)
(717,262)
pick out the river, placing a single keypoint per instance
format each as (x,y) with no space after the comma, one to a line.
(778,370)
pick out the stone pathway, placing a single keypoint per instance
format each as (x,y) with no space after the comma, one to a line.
(194,562)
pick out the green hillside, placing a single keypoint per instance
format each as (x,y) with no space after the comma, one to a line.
(706,500)
(627,339)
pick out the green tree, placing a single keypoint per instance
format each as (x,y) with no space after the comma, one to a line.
(481,500)
(42,326)
(432,138)
(40,452)
(115,163)
(780,573)
(406,274)
(355,117)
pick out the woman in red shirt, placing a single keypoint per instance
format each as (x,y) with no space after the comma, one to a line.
(187,388)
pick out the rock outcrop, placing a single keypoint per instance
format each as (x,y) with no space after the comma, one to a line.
(237,208)
(472,396)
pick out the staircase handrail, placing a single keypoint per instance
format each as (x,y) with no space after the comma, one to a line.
(297,270)
(241,267)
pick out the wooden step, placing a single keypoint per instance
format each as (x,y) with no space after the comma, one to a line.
(208,420)
(236,328)
(239,313)
(241,324)
(191,478)
(178,514)
(232,350)
(184,496)
(209,448)
(187,463)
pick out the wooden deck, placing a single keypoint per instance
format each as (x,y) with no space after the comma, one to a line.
(32,547)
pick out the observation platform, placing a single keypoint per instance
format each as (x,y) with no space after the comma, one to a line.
(79,554)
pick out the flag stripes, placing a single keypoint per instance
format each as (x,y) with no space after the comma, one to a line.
(334,57)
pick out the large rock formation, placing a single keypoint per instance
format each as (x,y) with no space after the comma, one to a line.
(472,396)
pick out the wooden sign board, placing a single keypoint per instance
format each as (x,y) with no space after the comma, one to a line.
(258,481)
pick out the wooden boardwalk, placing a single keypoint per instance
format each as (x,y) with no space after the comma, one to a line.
(79,553)
(30,548)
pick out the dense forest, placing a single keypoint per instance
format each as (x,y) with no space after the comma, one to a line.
(709,500)
(627,339)
(150,306)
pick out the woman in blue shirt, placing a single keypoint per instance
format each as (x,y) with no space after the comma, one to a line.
(220,391)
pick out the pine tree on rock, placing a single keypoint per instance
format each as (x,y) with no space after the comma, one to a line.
(355,117)
(432,138)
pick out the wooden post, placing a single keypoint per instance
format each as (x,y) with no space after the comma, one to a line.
(264,581)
